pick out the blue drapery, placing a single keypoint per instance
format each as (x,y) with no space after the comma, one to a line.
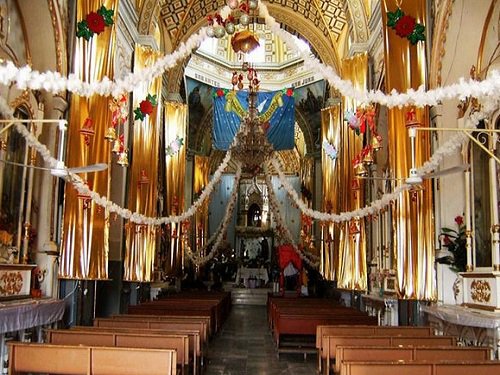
(275,107)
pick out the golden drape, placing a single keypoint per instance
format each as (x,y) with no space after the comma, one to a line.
(201,179)
(175,175)
(143,176)
(84,248)
(343,253)
(412,212)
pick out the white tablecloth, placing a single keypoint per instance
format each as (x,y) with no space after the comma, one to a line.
(23,314)
(247,273)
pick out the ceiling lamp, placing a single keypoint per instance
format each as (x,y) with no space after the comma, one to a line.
(244,41)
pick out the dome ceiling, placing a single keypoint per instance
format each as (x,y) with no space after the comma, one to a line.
(180,16)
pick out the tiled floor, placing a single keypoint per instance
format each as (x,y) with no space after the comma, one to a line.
(244,346)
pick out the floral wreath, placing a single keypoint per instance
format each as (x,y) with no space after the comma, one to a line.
(406,26)
(174,146)
(94,23)
(145,107)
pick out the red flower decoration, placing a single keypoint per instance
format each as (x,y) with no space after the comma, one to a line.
(289,92)
(459,220)
(220,93)
(446,240)
(146,107)
(95,22)
(405,26)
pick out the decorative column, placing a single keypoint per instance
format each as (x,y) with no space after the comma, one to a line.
(85,245)
(412,215)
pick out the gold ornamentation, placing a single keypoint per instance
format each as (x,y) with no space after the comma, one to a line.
(469,268)
(11,283)
(480,291)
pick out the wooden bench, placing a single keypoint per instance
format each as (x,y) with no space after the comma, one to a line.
(416,353)
(153,323)
(360,330)
(330,343)
(179,343)
(422,368)
(25,358)
(195,350)
(192,318)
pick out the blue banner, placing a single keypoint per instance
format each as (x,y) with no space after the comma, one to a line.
(276,110)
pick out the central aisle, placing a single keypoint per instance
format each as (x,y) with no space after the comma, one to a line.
(244,346)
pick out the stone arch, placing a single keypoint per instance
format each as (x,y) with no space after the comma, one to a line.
(323,48)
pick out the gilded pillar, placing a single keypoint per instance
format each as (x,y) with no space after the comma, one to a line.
(412,215)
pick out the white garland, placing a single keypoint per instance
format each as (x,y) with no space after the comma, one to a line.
(199,259)
(447,148)
(83,188)
(273,201)
(490,87)
(54,82)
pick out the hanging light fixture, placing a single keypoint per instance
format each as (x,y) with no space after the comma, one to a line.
(244,41)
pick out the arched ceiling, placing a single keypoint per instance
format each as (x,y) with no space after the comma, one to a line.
(180,16)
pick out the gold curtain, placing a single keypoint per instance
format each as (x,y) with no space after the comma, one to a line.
(201,172)
(351,266)
(143,176)
(343,252)
(84,248)
(331,131)
(175,175)
(412,213)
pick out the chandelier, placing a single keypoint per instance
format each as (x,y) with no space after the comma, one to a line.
(251,146)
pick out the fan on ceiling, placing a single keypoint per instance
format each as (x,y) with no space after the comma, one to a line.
(60,170)
(414,178)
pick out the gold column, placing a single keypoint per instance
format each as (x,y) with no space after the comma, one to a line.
(201,171)
(143,176)
(84,247)
(351,266)
(175,126)
(412,212)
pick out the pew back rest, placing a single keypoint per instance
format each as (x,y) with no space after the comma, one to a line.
(357,330)
(89,360)
(179,343)
(416,353)
(421,368)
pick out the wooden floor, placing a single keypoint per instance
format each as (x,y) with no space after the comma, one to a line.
(244,346)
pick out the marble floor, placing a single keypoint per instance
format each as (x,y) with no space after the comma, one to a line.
(244,346)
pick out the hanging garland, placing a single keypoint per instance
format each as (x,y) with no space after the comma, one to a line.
(94,23)
(54,82)
(448,148)
(280,224)
(406,26)
(199,259)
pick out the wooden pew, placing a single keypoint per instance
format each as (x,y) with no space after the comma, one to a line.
(360,330)
(179,343)
(192,318)
(154,323)
(422,368)
(195,350)
(330,343)
(157,324)
(415,353)
(25,358)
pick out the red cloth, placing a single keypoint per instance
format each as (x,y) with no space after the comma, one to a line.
(286,254)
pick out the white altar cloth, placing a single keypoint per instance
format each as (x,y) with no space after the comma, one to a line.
(247,273)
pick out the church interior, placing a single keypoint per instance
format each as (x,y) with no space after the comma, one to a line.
(249,187)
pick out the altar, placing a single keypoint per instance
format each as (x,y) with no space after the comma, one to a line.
(472,327)
(20,315)
(246,275)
